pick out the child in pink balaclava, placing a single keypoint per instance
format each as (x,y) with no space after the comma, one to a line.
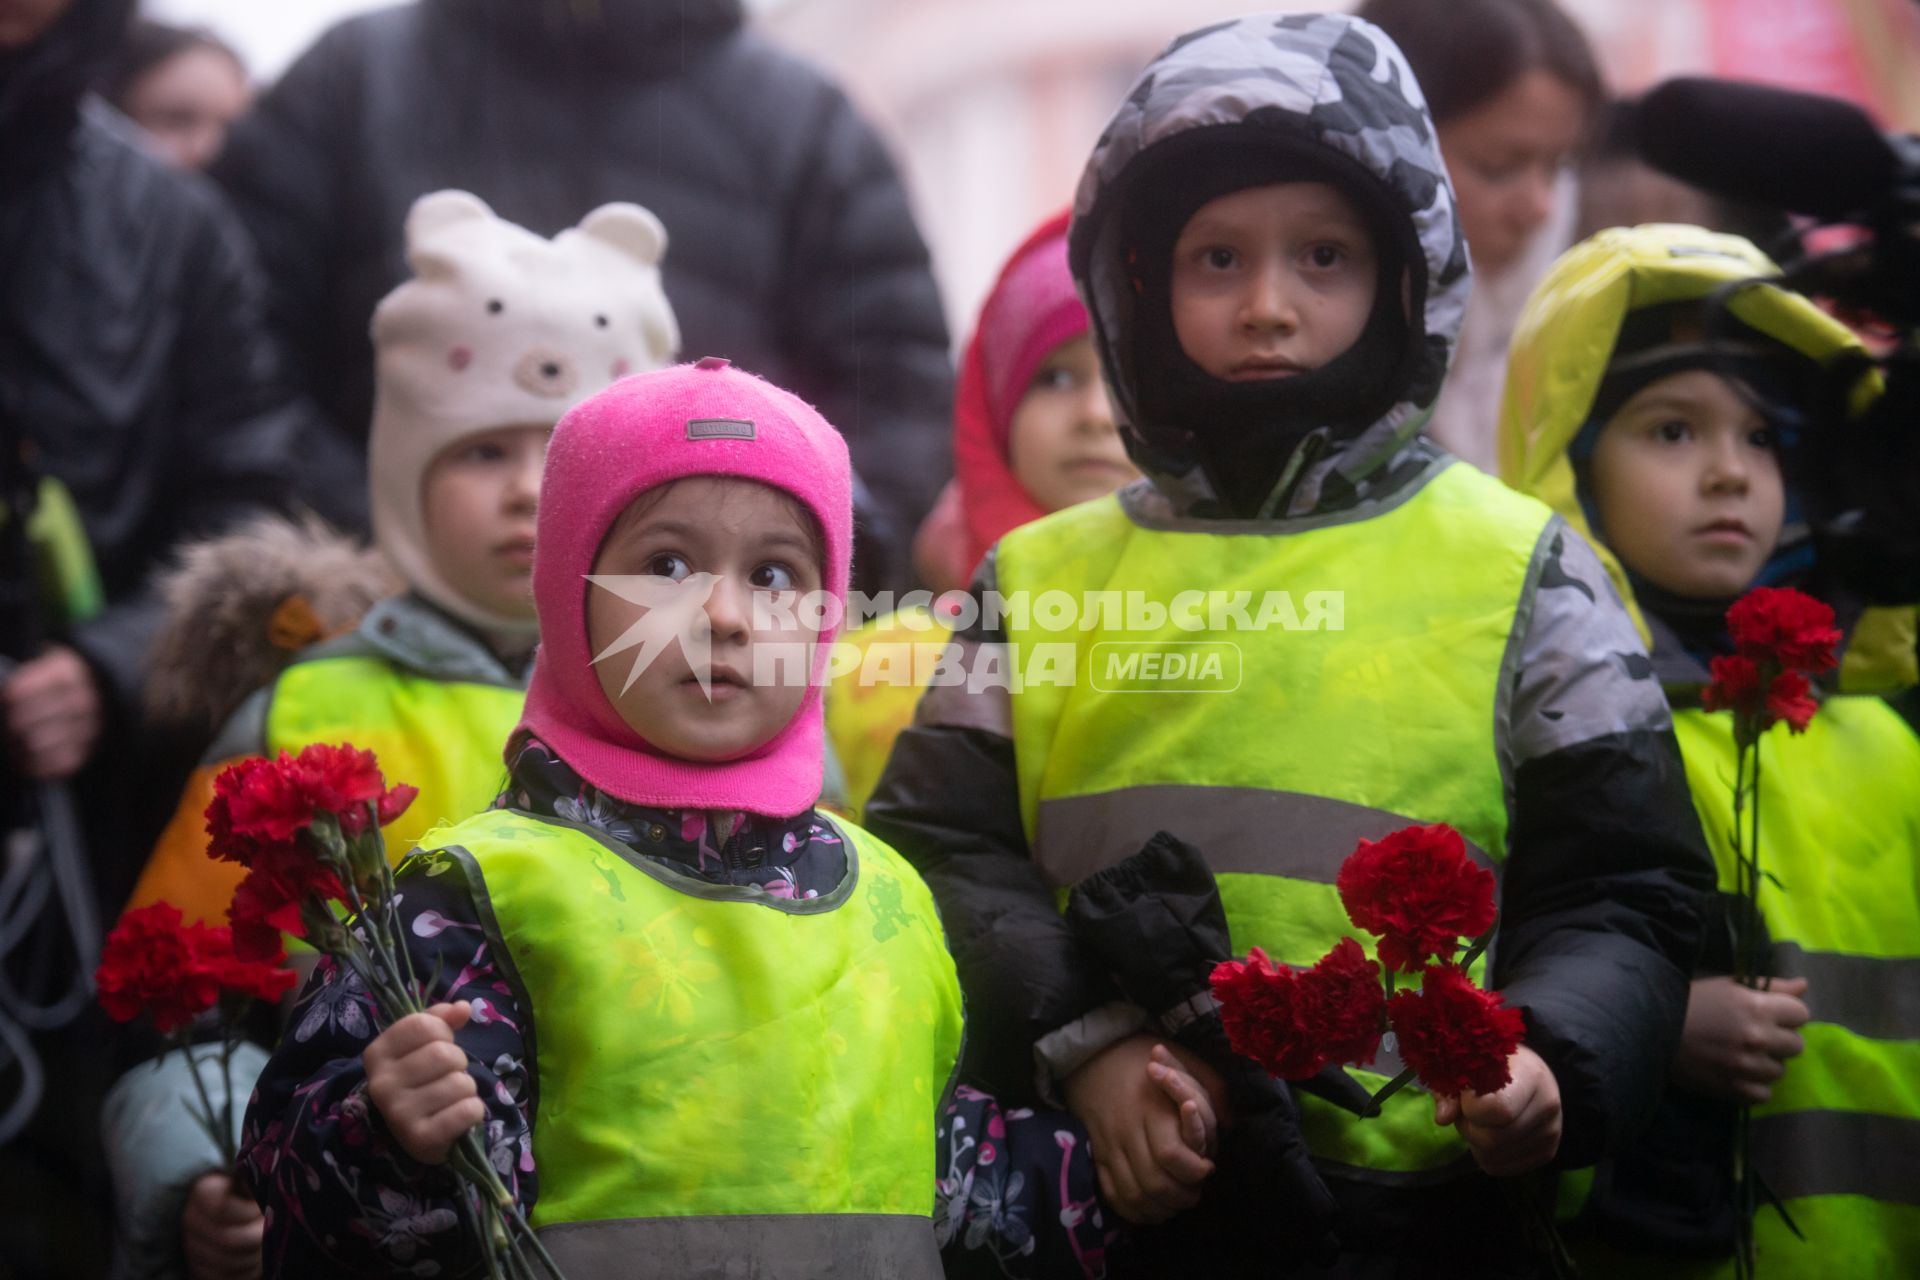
(746,1017)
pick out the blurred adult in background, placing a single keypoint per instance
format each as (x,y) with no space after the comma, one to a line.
(183,86)
(134,368)
(139,405)
(1515,92)
(793,250)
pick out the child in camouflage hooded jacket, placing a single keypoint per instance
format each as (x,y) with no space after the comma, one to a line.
(1266,239)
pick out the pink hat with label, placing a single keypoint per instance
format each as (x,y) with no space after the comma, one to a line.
(704,419)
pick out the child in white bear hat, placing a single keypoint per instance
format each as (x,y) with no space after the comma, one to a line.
(497,334)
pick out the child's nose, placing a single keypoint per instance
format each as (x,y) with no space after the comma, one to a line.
(1727,469)
(1269,303)
(1096,411)
(729,609)
(523,484)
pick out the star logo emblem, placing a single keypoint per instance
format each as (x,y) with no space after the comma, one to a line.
(675,614)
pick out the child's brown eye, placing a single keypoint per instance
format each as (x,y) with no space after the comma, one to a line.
(772,577)
(1219,259)
(1672,432)
(1325,256)
(668,565)
(1053,378)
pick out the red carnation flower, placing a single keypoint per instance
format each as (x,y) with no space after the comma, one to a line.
(256,979)
(1454,1035)
(256,941)
(338,779)
(1790,698)
(1341,1006)
(267,903)
(1735,686)
(1260,1007)
(389,806)
(224,844)
(148,964)
(1419,892)
(261,803)
(1784,626)
(256,803)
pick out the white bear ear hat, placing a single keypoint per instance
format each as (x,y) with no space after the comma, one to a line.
(500,328)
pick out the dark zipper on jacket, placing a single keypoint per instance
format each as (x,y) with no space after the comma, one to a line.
(730,856)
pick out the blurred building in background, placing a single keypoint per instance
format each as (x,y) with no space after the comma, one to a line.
(992,105)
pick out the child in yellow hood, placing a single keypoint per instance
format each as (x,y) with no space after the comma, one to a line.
(1669,454)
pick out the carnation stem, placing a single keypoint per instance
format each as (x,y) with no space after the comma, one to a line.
(484,1224)
(1479,946)
(1746,858)
(1391,1087)
(372,958)
(222,1136)
(471,1157)
(227,1150)
(1754,960)
(375,953)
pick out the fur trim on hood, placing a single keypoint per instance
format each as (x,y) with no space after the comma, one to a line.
(242,606)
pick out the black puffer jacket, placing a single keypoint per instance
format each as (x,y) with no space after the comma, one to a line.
(791,249)
(134,364)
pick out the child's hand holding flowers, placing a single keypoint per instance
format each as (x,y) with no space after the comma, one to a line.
(417,1077)
(1515,1129)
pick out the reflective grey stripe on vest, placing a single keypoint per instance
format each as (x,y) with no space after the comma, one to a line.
(1869,996)
(781,1246)
(1839,1153)
(1238,829)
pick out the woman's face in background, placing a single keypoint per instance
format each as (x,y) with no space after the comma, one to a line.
(1505,157)
(186,102)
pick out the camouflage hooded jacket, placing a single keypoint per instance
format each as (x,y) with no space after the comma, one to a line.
(1606,861)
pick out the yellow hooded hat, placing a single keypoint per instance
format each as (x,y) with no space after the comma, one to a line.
(1560,353)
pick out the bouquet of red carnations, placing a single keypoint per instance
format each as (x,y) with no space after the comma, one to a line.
(1420,894)
(307,828)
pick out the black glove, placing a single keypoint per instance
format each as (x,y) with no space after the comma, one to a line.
(1156,921)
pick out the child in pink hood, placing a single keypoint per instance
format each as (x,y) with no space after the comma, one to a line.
(1032,433)
(747,1019)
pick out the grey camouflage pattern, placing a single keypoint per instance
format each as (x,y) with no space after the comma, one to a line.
(1329,78)
(1582,671)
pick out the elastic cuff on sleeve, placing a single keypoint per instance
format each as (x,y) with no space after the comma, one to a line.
(1060,1053)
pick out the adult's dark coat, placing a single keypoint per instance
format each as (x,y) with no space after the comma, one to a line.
(134,361)
(134,366)
(791,251)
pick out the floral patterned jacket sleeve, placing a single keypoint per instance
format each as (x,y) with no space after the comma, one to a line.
(341,1198)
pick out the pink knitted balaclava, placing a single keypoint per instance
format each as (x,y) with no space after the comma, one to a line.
(704,419)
